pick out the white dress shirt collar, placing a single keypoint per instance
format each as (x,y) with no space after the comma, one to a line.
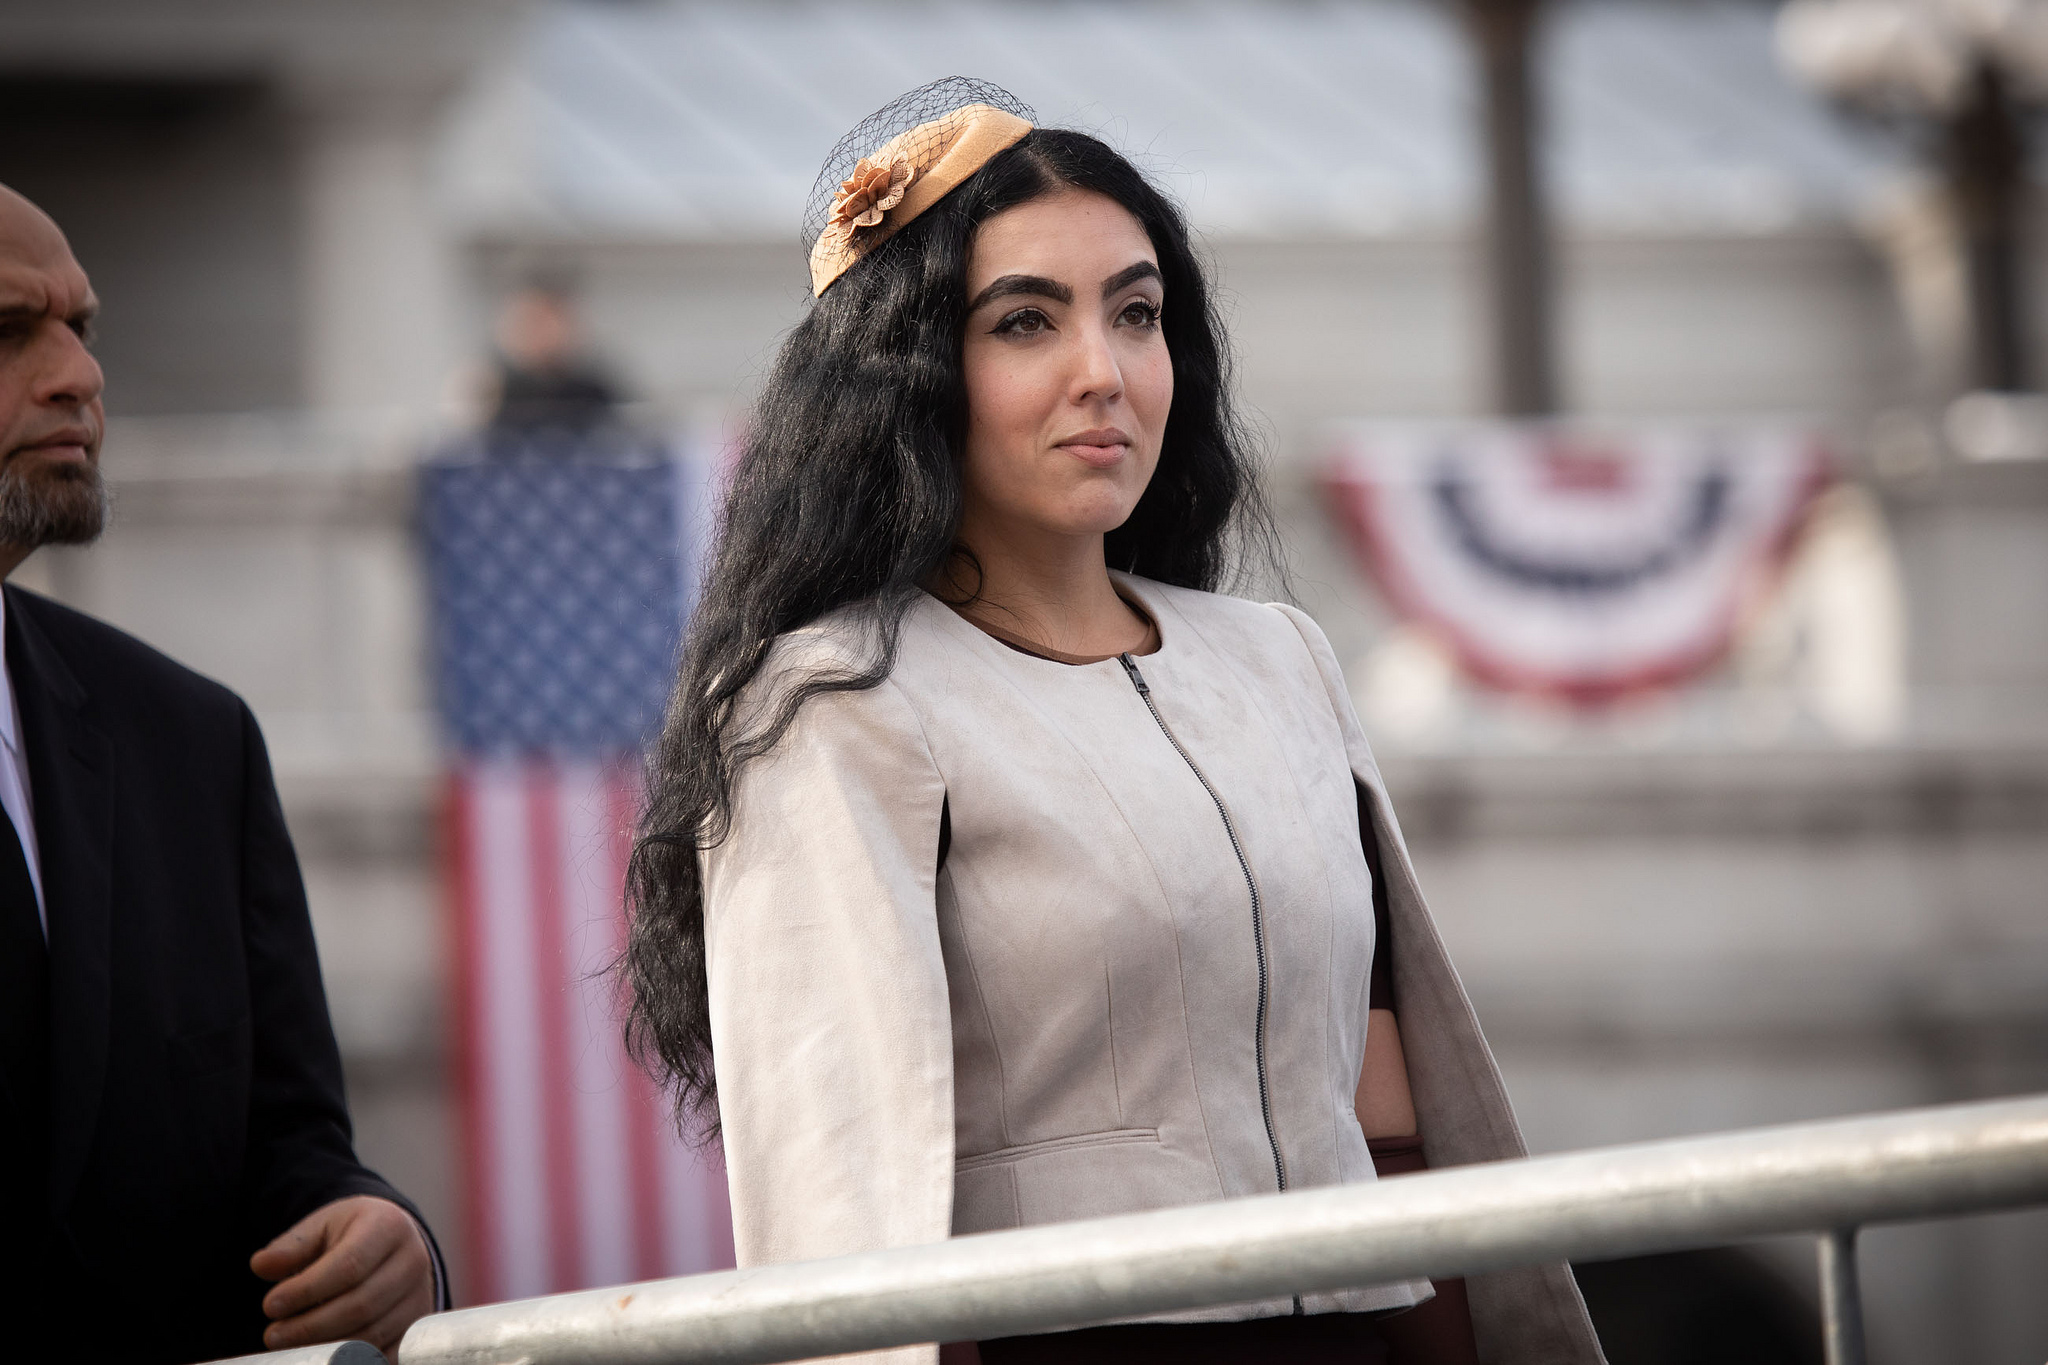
(15,797)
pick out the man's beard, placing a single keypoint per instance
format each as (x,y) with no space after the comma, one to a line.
(52,505)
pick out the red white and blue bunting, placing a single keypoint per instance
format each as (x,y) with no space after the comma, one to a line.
(1587,564)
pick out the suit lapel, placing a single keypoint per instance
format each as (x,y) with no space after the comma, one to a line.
(71,778)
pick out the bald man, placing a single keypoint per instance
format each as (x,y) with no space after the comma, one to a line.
(177,1180)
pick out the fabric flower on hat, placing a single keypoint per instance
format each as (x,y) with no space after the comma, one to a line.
(876,186)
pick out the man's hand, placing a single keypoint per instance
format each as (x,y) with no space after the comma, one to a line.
(358,1269)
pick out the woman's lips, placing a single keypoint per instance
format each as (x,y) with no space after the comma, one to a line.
(1098,449)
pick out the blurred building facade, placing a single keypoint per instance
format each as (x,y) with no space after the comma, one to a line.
(1709,910)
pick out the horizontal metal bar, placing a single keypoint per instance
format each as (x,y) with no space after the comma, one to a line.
(1606,1202)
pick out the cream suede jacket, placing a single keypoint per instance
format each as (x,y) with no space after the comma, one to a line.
(1139,980)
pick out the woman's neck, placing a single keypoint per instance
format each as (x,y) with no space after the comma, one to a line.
(1055,591)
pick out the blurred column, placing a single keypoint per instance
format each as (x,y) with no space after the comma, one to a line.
(380,271)
(1956,77)
(1983,158)
(1517,229)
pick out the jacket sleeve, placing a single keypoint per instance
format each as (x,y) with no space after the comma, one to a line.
(300,1153)
(1531,1315)
(829,1017)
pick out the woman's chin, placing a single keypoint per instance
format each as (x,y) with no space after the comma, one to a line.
(1095,511)
(1095,522)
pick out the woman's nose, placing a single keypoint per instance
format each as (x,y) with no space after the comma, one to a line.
(1096,371)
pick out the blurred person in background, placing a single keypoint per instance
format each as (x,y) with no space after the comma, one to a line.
(544,380)
(998,871)
(173,1130)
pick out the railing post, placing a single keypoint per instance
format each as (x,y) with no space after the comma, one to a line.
(1841,1298)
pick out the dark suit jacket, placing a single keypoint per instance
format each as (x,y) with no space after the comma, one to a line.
(196,1106)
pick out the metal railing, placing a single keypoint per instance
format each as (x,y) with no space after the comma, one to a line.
(331,1353)
(1828,1178)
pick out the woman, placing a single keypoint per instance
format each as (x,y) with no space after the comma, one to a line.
(997,871)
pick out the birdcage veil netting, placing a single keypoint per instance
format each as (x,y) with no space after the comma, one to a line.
(894,119)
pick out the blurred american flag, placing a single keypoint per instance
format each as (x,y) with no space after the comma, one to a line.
(559,589)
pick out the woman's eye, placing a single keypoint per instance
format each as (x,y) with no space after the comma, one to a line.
(1024,322)
(1139,313)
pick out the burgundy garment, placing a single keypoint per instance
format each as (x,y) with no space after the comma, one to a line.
(1438,1332)
(1321,1339)
(1379,991)
(1396,1155)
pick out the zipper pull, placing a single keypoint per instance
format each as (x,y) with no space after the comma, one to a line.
(1137,678)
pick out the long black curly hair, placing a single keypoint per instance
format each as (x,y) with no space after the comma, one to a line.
(847,493)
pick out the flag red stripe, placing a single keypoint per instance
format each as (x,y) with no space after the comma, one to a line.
(574,1172)
(589,848)
(553,970)
(646,1114)
(480,1226)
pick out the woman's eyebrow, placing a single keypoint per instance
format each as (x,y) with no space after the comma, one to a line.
(1038,286)
(1129,275)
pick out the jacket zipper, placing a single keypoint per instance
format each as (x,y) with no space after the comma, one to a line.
(1258,915)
